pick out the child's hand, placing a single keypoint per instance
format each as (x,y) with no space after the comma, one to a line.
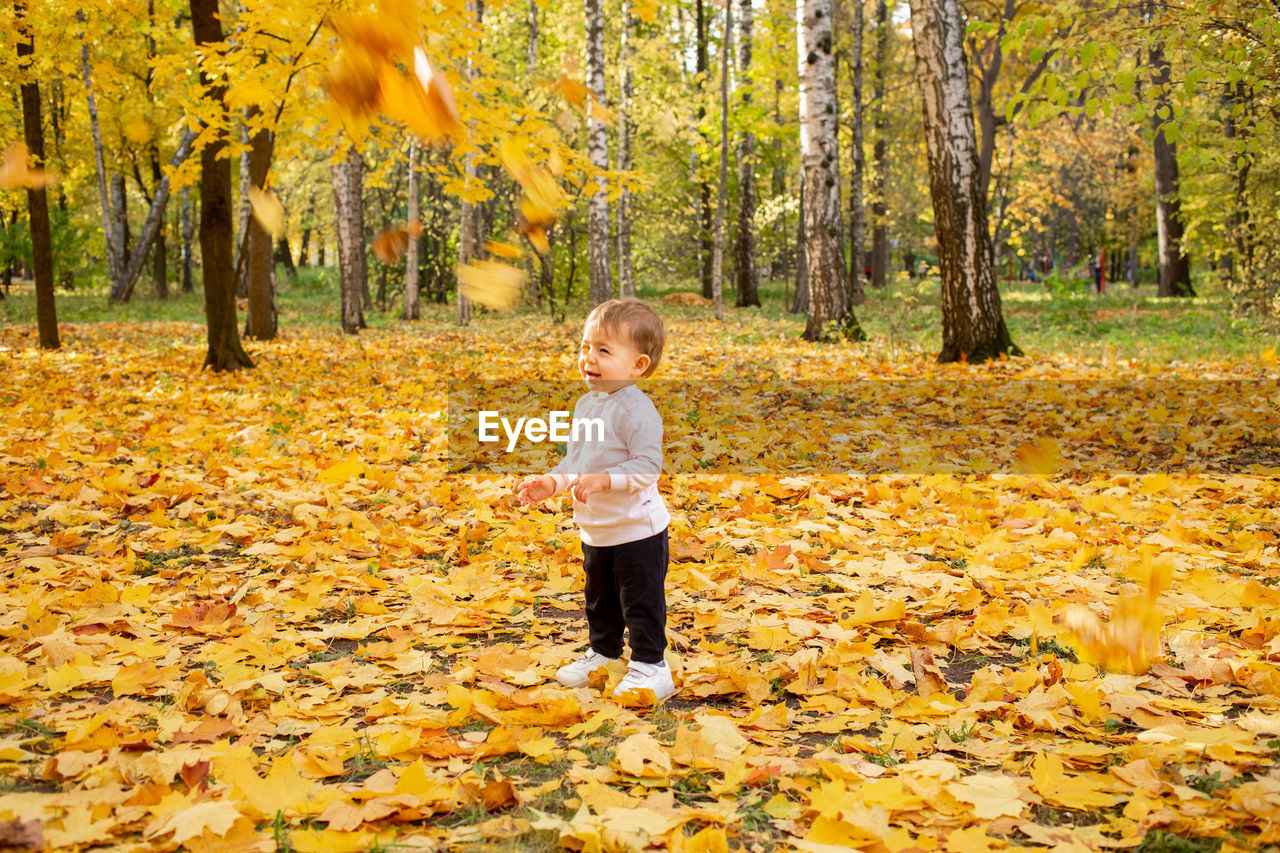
(535,489)
(584,486)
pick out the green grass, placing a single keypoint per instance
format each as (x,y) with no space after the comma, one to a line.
(903,320)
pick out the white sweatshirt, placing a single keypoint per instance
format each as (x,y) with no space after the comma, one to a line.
(631,454)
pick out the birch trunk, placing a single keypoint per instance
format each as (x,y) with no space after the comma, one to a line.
(37,199)
(123,288)
(187,256)
(830,316)
(468,242)
(973,327)
(1175,271)
(626,270)
(159,258)
(225,351)
(411,309)
(857,224)
(748,278)
(245,212)
(598,155)
(880,179)
(348,246)
(717,262)
(702,68)
(115,263)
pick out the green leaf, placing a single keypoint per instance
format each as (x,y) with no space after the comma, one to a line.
(1088,53)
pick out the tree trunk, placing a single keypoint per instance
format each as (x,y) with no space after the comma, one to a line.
(159,266)
(800,299)
(37,198)
(411,309)
(531,47)
(188,259)
(722,182)
(225,351)
(702,68)
(120,212)
(973,327)
(1175,271)
(260,324)
(626,270)
(284,257)
(748,278)
(857,224)
(115,263)
(598,155)
(830,315)
(246,211)
(880,180)
(123,288)
(350,243)
(304,246)
(355,168)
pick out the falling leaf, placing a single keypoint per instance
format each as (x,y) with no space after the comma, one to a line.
(15,174)
(491,284)
(267,211)
(391,244)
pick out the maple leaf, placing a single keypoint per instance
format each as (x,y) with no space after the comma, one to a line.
(16,174)
(267,211)
(491,284)
(211,817)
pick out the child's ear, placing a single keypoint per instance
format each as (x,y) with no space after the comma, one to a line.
(642,362)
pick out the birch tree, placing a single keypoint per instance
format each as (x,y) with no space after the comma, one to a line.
(1175,271)
(411,301)
(880,177)
(598,155)
(748,278)
(830,315)
(857,223)
(717,262)
(973,327)
(626,124)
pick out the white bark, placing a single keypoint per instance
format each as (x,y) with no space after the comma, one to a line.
(598,155)
(829,314)
(748,278)
(972,323)
(411,254)
(626,270)
(115,263)
(717,257)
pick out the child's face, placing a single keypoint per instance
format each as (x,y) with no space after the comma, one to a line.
(608,360)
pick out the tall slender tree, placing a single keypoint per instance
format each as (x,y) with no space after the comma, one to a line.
(224,349)
(626,125)
(830,315)
(411,302)
(880,178)
(1175,269)
(598,155)
(722,184)
(973,327)
(857,162)
(37,198)
(748,277)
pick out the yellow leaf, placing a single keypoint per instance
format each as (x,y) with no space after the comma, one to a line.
(340,472)
(491,284)
(267,211)
(642,755)
(215,817)
(992,795)
(15,174)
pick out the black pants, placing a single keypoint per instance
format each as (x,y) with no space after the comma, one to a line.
(625,589)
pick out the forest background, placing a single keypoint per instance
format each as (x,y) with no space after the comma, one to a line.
(1022,594)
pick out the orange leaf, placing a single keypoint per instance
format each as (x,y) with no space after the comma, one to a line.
(15,174)
(391,245)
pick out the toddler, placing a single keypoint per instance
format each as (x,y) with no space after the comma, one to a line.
(614,482)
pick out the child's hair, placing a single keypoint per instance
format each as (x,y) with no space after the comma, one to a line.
(635,319)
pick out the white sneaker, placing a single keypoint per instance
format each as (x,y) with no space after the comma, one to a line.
(647,676)
(578,673)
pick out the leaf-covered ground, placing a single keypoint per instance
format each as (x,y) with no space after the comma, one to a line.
(257,611)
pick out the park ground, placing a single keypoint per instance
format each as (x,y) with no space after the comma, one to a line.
(267,610)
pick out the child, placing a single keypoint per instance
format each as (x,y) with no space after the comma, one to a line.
(620,515)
